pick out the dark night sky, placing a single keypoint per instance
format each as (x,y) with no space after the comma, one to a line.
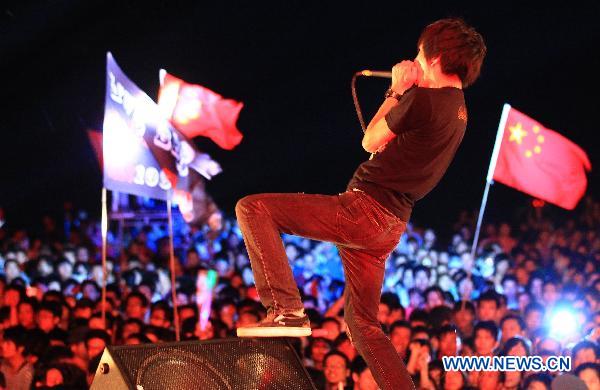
(291,65)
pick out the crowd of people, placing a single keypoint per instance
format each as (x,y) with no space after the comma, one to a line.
(533,289)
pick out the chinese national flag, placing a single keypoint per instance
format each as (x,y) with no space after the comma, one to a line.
(541,162)
(198,111)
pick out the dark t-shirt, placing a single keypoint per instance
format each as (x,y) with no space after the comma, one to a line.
(430,124)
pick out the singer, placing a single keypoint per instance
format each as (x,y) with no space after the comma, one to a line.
(413,138)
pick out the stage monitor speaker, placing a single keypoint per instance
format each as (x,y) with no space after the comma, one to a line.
(225,364)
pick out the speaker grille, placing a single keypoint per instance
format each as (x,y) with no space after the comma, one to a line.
(262,364)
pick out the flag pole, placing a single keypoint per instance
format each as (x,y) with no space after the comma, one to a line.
(172,266)
(490,175)
(161,76)
(104,230)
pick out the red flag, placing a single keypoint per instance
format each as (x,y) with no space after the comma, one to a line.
(95,138)
(198,111)
(541,162)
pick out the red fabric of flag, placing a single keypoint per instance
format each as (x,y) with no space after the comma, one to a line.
(95,138)
(198,111)
(541,162)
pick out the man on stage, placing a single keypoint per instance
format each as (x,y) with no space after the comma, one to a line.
(413,137)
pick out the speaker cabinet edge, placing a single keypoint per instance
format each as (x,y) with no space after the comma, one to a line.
(109,376)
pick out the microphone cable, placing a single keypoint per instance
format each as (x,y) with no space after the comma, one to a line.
(356,103)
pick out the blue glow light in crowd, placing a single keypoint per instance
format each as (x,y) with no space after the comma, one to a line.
(563,323)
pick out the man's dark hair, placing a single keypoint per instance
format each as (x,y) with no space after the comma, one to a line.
(490,326)
(37,342)
(52,307)
(53,296)
(192,307)
(114,287)
(440,316)
(419,315)
(515,317)
(421,329)
(422,268)
(141,337)
(489,295)
(69,284)
(257,317)
(449,298)
(507,278)
(188,327)
(443,380)
(4,313)
(164,306)
(391,299)
(91,283)
(63,260)
(109,318)
(221,303)
(98,334)
(461,49)
(73,376)
(85,303)
(588,366)
(31,301)
(399,324)
(440,332)
(513,342)
(466,305)
(16,334)
(162,334)
(249,305)
(337,353)
(436,289)
(534,306)
(312,341)
(340,339)
(136,294)
(358,365)
(541,377)
(586,344)
(136,321)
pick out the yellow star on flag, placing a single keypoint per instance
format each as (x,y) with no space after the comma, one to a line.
(517,133)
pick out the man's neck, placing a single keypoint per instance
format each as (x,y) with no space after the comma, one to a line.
(440,80)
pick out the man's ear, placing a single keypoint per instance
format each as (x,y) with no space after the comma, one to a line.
(435,61)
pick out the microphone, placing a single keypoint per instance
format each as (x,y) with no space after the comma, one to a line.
(375,73)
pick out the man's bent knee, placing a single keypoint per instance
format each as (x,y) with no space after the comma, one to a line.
(360,328)
(245,204)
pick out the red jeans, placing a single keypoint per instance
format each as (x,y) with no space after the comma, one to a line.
(364,232)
